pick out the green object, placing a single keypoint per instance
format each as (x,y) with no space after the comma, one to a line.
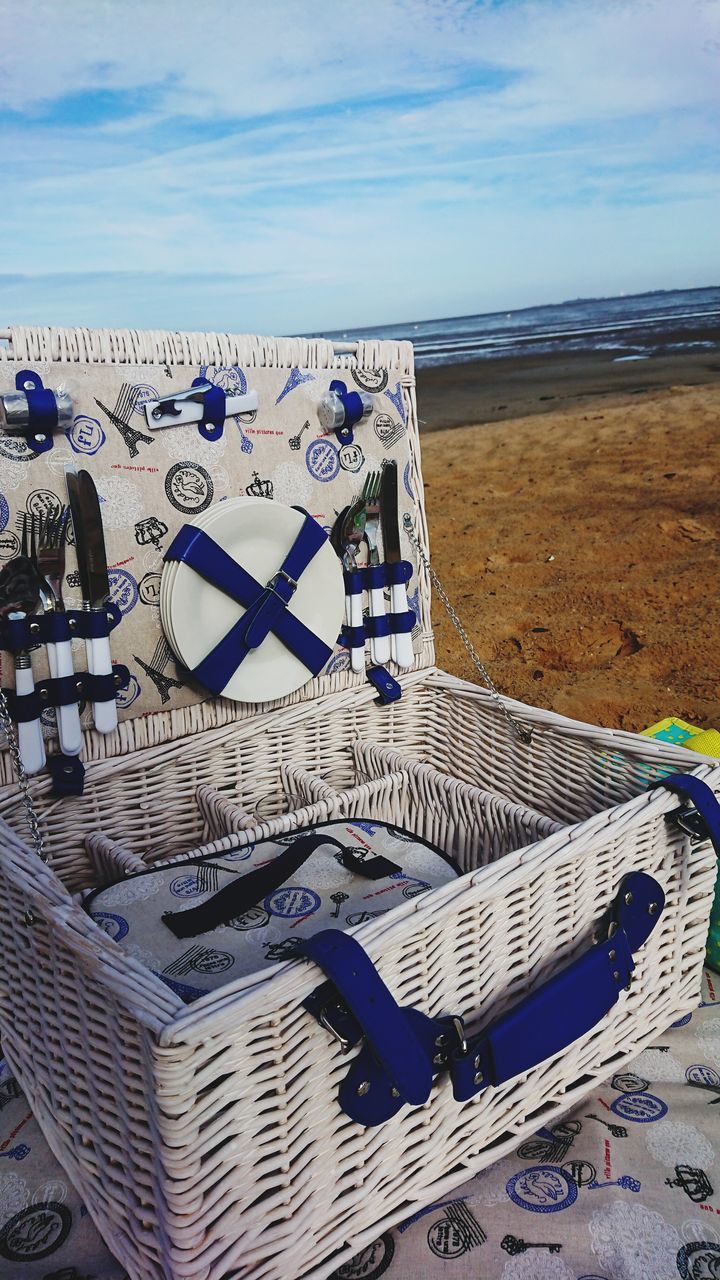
(706,742)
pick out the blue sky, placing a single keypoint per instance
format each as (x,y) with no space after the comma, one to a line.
(299,165)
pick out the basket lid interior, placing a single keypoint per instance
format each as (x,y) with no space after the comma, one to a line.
(150,483)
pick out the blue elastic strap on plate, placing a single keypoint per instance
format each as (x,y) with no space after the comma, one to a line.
(265,607)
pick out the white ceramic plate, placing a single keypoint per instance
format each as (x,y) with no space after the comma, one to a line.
(257,533)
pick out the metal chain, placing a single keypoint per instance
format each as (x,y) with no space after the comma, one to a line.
(29,803)
(521,731)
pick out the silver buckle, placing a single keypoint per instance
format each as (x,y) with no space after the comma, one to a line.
(690,822)
(324,1020)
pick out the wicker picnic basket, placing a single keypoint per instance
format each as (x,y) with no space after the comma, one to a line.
(207,1140)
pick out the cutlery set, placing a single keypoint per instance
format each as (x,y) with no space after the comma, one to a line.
(373,513)
(33,612)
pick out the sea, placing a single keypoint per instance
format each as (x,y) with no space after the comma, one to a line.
(635,327)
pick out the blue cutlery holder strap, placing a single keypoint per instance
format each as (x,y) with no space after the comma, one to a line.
(542,1025)
(63,691)
(374,576)
(42,410)
(388,624)
(17,634)
(265,606)
(214,411)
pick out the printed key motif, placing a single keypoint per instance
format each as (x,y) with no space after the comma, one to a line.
(616,1130)
(626,1183)
(513,1245)
(338,898)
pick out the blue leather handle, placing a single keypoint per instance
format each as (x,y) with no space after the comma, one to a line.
(403,1048)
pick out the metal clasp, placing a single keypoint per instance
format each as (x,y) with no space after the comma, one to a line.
(691,822)
(324,1020)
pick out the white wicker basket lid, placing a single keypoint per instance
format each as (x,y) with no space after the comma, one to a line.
(142,478)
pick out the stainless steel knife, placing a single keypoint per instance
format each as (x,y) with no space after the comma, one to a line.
(401,643)
(92,566)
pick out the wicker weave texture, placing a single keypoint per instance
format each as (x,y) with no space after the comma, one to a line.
(242,1162)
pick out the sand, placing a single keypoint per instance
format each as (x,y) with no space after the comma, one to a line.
(580,547)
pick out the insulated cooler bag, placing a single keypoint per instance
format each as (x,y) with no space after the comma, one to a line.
(278,1122)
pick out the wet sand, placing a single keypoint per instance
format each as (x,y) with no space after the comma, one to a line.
(580,546)
(498,390)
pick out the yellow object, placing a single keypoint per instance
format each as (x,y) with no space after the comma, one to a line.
(682,734)
(707,742)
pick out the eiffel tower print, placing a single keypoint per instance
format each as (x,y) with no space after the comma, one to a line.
(156,667)
(119,417)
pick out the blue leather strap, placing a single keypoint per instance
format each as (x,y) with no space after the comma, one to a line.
(569,1004)
(566,1007)
(67,773)
(214,410)
(388,689)
(42,410)
(63,691)
(17,634)
(403,1061)
(265,607)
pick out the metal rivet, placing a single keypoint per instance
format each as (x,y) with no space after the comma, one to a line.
(72,623)
(79,686)
(439,1059)
(612,928)
(363,1088)
(477,1062)
(627,987)
(441,1040)
(34,628)
(40,439)
(28,385)
(652,908)
(612,955)
(478,1077)
(616,975)
(394,1093)
(627,899)
(68,768)
(110,617)
(118,678)
(44,694)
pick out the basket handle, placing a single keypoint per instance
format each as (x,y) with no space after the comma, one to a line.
(248,890)
(402,1049)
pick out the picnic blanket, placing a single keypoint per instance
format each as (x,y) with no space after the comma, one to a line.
(625,1187)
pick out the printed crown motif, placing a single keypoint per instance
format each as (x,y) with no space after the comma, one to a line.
(259,488)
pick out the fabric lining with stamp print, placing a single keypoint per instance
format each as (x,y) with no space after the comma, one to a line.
(131,476)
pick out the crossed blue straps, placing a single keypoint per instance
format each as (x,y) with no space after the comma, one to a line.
(265,607)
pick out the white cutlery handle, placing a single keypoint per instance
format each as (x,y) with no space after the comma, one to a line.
(353,603)
(100,664)
(29,732)
(402,647)
(68,718)
(379,645)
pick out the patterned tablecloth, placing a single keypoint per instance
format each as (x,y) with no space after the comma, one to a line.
(626,1187)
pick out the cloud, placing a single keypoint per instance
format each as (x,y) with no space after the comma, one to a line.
(166,140)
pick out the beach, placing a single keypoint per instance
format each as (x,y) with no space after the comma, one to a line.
(578,538)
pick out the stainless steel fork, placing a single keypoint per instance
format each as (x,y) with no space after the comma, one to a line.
(49,560)
(379,645)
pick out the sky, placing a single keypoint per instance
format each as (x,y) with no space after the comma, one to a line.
(291,166)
